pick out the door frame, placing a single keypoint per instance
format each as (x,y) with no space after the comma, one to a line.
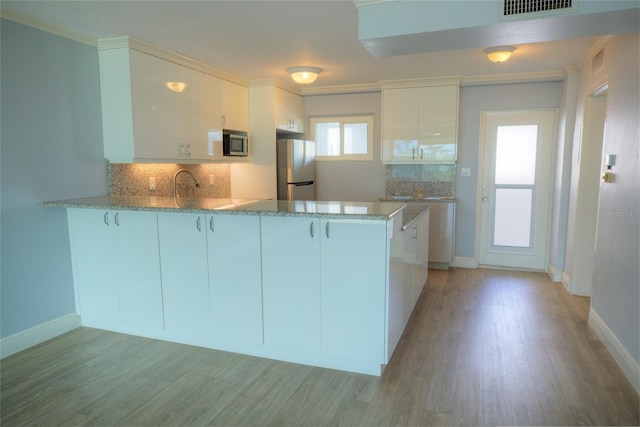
(482,143)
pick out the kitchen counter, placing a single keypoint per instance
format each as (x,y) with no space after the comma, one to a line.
(430,199)
(319,209)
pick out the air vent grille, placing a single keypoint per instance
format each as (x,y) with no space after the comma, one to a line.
(518,7)
(597,63)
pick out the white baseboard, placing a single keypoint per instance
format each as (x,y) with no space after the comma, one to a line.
(554,274)
(38,334)
(629,366)
(566,281)
(464,262)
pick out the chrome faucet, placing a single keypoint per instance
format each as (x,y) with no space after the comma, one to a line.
(175,180)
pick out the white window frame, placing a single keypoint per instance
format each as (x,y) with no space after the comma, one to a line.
(369,119)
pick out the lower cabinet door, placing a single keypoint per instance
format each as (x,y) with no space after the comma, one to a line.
(94,266)
(235,277)
(185,285)
(291,282)
(138,267)
(353,269)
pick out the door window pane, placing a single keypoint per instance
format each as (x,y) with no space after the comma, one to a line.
(516,154)
(513,217)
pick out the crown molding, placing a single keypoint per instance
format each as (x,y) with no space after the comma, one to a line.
(430,81)
(496,79)
(341,89)
(40,24)
(360,3)
(128,42)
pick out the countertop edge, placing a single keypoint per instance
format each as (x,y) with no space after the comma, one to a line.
(239,210)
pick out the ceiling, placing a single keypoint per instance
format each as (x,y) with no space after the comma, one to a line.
(261,39)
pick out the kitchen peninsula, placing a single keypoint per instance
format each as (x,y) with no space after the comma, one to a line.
(328,284)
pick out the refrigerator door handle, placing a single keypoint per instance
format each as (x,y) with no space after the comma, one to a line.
(301,183)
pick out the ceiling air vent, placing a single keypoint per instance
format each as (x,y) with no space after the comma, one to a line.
(514,9)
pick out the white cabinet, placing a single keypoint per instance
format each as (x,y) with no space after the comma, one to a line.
(117,267)
(289,111)
(353,271)
(291,283)
(146,118)
(421,267)
(235,277)
(234,100)
(441,234)
(185,282)
(419,124)
(94,266)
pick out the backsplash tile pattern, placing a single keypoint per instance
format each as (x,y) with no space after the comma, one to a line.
(421,180)
(132,179)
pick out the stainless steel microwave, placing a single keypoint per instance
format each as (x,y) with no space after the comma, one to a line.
(235,144)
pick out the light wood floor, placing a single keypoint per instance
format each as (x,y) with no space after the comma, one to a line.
(483,347)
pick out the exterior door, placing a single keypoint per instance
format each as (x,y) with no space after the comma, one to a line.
(515,188)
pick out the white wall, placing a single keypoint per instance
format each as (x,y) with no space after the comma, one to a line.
(616,277)
(51,149)
(352,181)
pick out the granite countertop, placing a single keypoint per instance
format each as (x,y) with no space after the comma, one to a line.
(428,199)
(337,210)
(412,212)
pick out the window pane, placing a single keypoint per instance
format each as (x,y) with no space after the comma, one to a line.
(513,217)
(328,139)
(516,154)
(355,138)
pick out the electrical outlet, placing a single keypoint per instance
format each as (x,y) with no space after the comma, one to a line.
(465,171)
(212,180)
(152,184)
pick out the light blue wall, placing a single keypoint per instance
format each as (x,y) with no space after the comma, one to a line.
(51,148)
(473,100)
(616,276)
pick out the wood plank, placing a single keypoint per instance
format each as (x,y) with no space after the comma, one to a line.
(483,347)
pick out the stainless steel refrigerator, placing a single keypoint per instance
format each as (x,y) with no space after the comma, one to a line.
(296,169)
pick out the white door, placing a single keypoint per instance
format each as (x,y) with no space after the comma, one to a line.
(514,192)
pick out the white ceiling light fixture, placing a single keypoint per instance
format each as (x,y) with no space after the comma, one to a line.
(499,53)
(304,75)
(178,87)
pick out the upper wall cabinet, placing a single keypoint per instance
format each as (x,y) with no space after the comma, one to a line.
(155,109)
(420,124)
(234,106)
(289,111)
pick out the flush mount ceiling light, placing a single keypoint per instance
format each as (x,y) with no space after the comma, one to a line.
(304,75)
(499,53)
(176,86)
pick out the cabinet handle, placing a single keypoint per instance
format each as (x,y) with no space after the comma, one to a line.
(106,218)
(189,150)
(311,229)
(421,153)
(198,224)
(326,230)
(413,153)
(116,219)
(211,223)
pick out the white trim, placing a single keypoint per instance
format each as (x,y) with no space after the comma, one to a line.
(623,358)
(464,262)
(554,274)
(495,79)
(38,334)
(39,24)
(566,281)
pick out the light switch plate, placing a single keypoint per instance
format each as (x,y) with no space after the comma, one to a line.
(465,171)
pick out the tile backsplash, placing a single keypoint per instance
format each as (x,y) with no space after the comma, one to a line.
(132,179)
(421,180)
